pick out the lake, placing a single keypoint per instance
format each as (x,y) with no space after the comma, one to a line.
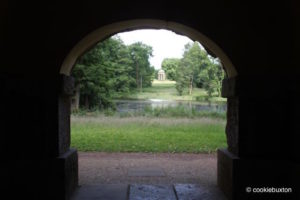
(139,105)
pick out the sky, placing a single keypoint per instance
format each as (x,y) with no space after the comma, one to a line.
(165,44)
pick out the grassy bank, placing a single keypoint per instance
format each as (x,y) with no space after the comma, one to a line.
(166,90)
(146,134)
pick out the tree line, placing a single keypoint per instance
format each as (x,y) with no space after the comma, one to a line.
(195,69)
(111,70)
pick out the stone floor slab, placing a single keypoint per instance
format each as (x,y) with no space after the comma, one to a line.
(196,192)
(145,172)
(102,192)
(151,192)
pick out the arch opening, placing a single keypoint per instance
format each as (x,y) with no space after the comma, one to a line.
(106,31)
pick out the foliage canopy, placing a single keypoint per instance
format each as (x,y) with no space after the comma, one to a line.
(110,70)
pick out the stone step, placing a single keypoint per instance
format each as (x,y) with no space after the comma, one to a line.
(148,192)
(152,192)
(197,192)
(102,192)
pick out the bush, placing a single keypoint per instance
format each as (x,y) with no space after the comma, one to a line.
(202,98)
(79,112)
(180,111)
(109,112)
(167,112)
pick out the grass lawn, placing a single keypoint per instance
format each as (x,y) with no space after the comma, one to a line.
(142,134)
(166,90)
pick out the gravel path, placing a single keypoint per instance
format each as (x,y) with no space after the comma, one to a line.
(115,168)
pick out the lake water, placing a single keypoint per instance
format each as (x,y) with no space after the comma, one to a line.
(139,105)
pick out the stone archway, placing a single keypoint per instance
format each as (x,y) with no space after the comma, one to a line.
(108,30)
(263,100)
(229,83)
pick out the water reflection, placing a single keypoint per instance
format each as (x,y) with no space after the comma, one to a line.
(139,105)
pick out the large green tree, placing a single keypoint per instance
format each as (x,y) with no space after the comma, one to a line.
(211,78)
(140,54)
(111,69)
(170,65)
(193,62)
(198,69)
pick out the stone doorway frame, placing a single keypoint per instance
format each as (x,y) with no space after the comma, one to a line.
(224,171)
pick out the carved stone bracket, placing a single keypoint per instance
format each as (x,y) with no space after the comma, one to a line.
(67,85)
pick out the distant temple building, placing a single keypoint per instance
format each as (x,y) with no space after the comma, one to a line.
(161,75)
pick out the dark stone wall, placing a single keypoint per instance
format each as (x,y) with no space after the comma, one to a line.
(51,30)
(266,116)
(29,107)
(67,89)
(262,40)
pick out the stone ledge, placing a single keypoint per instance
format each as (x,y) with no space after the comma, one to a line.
(65,177)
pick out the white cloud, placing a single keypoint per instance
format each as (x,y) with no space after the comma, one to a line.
(166,44)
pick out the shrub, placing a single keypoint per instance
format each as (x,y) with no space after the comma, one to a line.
(170,111)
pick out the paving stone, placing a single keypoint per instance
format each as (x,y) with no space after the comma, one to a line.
(196,192)
(146,172)
(102,192)
(151,192)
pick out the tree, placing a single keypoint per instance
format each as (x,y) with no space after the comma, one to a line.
(96,73)
(193,62)
(140,54)
(181,82)
(170,65)
(197,68)
(110,70)
(155,73)
(212,78)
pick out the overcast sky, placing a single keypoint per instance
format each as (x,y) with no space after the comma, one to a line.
(165,44)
